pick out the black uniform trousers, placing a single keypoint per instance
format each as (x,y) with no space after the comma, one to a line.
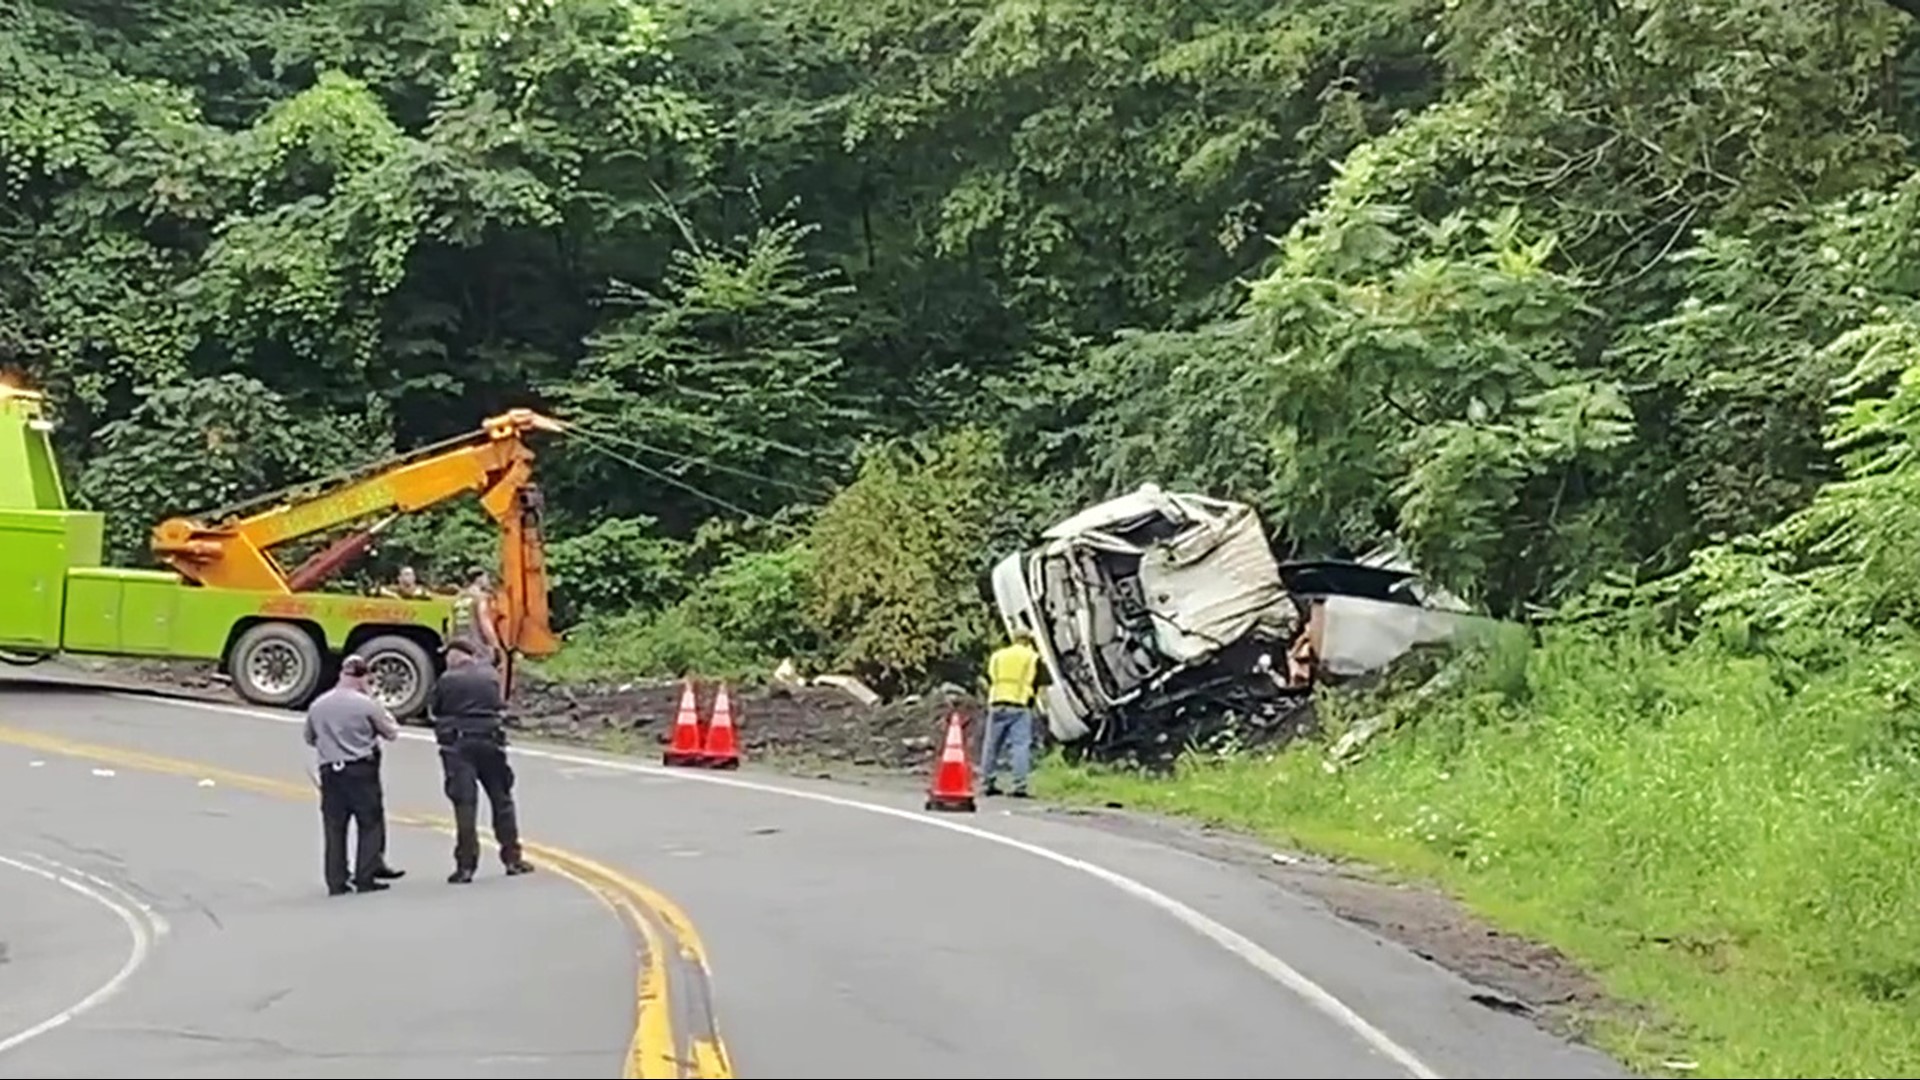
(380,794)
(351,793)
(472,764)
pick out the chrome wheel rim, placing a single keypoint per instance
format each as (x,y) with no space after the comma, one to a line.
(391,679)
(275,667)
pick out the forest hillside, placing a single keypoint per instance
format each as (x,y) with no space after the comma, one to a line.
(1609,312)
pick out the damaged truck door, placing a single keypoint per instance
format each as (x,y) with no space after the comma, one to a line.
(1161,614)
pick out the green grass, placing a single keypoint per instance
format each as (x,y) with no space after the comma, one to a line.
(1727,840)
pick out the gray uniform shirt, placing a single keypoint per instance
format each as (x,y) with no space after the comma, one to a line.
(346,725)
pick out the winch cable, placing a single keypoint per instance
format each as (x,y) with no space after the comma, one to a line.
(601,440)
(717,429)
(600,445)
(608,437)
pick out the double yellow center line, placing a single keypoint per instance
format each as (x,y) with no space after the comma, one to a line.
(672,955)
(674,1035)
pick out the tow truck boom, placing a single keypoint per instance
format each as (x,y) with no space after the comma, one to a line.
(234,550)
(224,599)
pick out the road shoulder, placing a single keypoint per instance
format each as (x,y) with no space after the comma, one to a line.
(1511,974)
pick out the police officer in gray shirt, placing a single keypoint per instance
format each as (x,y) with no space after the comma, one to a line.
(344,726)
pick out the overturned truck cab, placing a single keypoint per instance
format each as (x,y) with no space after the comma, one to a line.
(1165,618)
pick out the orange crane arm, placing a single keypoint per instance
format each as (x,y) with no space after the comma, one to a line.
(495,463)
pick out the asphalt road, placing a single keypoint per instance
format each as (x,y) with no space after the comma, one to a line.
(826,931)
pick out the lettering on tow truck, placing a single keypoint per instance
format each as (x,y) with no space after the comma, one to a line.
(357,501)
(371,612)
(286,606)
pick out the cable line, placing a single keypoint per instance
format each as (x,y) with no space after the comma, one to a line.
(597,443)
(708,463)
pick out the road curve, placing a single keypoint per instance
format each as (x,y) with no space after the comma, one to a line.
(846,934)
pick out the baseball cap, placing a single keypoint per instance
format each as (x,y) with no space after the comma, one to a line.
(354,667)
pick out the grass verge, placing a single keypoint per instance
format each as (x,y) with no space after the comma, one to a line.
(1729,840)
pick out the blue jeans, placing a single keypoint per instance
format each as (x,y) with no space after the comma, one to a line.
(1009,729)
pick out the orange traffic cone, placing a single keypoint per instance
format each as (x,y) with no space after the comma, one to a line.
(953,778)
(685,748)
(722,751)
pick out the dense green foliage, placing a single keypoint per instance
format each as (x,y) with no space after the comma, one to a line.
(1610,311)
(1553,291)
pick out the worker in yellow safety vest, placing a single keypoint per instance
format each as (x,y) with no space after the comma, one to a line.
(473,617)
(1013,674)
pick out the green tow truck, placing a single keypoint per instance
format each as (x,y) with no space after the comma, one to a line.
(222,597)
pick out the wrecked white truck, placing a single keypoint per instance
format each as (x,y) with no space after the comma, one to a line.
(1165,618)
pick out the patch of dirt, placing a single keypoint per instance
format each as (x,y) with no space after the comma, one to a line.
(1511,974)
(818,724)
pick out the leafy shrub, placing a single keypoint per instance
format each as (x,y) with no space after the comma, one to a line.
(899,556)
(758,601)
(649,644)
(619,565)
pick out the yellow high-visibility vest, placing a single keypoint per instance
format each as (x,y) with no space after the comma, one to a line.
(1011,672)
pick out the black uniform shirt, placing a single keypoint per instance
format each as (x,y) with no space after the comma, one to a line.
(467,701)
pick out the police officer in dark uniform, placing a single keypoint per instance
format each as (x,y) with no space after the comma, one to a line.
(469,723)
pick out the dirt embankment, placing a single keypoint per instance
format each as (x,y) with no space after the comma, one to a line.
(814,724)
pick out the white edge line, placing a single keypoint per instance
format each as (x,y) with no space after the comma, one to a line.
(1213,930)
(142,922)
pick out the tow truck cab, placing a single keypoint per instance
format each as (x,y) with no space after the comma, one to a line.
(41,538)
(277,646)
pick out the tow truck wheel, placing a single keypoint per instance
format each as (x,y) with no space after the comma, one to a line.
(276,664)
(399,674)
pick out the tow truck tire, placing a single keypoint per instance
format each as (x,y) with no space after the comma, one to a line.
(400,674)
(276,664)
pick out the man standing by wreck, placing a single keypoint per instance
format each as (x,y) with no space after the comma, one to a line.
(1013,675)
